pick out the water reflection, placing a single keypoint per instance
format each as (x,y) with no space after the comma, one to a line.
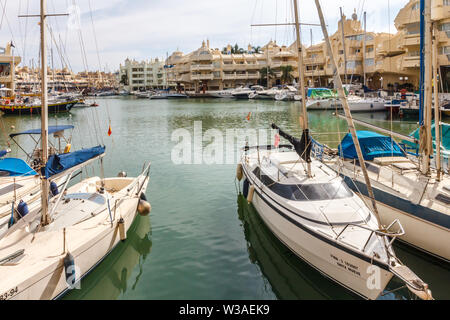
(114,275)
(289,276)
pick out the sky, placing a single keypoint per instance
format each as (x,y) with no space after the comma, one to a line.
(101,34)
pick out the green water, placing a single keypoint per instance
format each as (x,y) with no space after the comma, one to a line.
(201,241)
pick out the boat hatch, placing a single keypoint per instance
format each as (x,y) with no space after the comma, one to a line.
(10,188)
(94,197)
(443,198)
(306,192)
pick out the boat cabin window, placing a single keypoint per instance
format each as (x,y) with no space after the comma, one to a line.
(306,192)
(10,188)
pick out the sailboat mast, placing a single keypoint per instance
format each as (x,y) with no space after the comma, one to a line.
(437,115)
(340,88)
(425,130)
(301,73)
(44,117)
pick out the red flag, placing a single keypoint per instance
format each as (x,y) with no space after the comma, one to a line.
(277,140)
(109,130)
(249,115)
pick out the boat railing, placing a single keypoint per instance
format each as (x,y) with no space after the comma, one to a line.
(385,232)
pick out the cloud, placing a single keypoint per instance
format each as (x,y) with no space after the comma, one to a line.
(143,29)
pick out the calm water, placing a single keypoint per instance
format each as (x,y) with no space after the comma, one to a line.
(201,240)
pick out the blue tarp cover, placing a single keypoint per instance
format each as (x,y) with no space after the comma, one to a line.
(445,138)
(373,145)
(16,167)
(61,162)
(51,129)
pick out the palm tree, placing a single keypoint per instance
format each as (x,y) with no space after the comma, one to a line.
(266,74)
(286,74)
(256,49)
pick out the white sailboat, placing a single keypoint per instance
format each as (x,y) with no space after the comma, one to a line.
(311,210)
(50,249)
(411,191)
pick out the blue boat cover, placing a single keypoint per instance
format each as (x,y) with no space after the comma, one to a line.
(445,139)
(373,145)
(61,162)
(51,129)
(3,153)
(16,167)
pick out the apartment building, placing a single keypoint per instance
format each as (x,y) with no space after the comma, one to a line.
(378,63)
(407,40)
(8,63)
(144,75)
(212,69)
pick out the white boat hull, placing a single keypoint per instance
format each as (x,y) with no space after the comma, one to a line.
(326,258)
(366,106)
(89,242)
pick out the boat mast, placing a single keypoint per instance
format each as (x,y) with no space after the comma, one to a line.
(343,45)
(44,117)
(437,116)
(426,146)
(301,78)
(338,84)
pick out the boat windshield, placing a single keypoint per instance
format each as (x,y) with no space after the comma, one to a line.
(306,192)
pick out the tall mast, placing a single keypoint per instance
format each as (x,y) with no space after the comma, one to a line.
(437,118)
(364,48)
(426,144)
(343,97)
(301,73)
(313,65)
(343,44)
(44,117)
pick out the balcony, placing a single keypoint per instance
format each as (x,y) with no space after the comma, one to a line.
(208,76)
(198,67)
(280,64)
(255,75)
(411,62)
(315,73)
(314,61)
(228,76)
(241,76)
(228,66)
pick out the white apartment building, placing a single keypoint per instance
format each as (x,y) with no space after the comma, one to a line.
(144,75)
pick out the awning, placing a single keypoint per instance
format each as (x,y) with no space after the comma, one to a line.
(16,168)
(51,129)
(373,145)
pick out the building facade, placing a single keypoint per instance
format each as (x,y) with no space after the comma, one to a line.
(8,64)
(144,75)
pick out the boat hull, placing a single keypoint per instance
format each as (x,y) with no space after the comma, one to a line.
(421,233)
(52,108)
(320,252)
(49,282)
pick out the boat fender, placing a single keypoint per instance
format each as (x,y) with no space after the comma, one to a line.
(54,188)
(144,207)
(22,208)
(121,226)
(245,189)
(239,172)
(250,194)
(122,174)
(67,148)
(69,269)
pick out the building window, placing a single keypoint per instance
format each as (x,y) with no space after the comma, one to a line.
(445,50)
(353,64)
(446,2)
(416,6)
(370,62)
(369,49)
(446,27)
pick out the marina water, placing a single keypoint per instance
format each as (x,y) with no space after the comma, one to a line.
(202,241)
